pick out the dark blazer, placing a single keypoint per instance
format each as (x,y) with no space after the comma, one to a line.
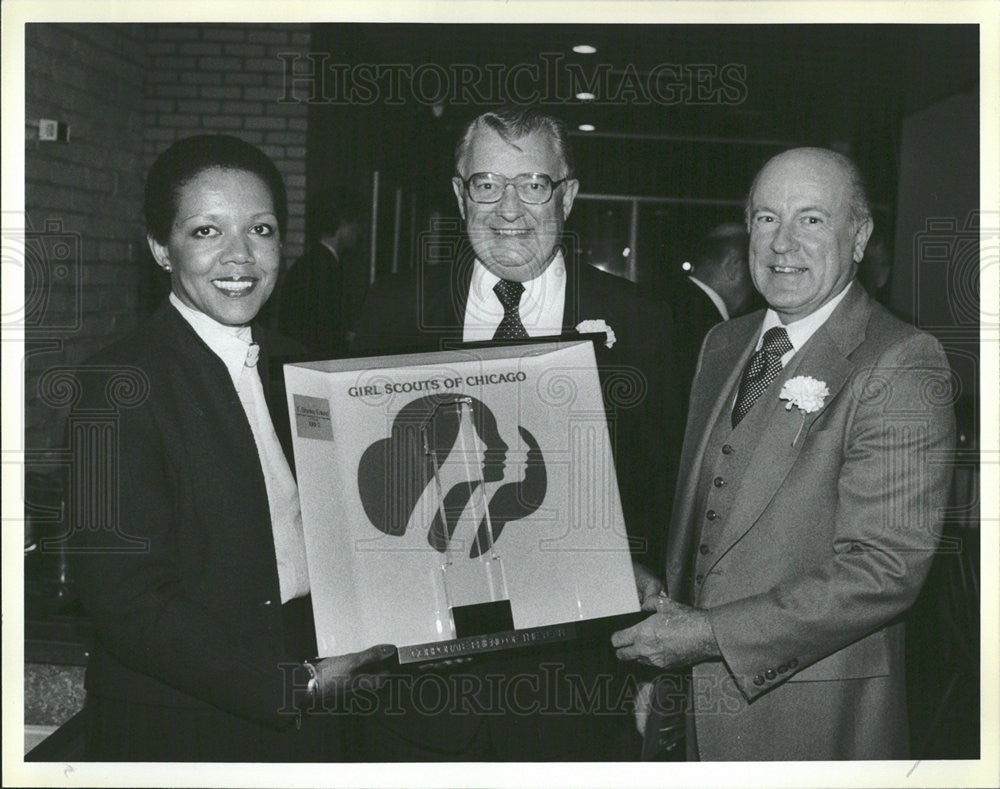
(174,554)
(805,536)
(549,703)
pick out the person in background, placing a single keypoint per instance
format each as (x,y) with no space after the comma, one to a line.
(194,571)
(320,293)
(717,288)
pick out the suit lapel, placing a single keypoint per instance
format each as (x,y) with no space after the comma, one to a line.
(781,433)
(272,379)
(723,366)
(453,296)
(182,337)
(725,357)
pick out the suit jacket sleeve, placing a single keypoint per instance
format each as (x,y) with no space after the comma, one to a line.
(892,485)
(144,613)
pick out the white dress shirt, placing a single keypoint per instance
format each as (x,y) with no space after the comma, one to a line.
(232,345)
(801,330)
(541,307)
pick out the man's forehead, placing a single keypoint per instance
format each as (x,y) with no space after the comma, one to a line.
(803,179)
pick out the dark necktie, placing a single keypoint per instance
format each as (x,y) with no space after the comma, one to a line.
(763,369)
(510,327)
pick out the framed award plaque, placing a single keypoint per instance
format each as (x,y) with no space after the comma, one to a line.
(460,501)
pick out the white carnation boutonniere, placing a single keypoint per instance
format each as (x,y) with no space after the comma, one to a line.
(598,327)
(805,393)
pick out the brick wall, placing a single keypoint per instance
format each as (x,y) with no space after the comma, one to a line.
(83,201)
(127,92)
(228,79)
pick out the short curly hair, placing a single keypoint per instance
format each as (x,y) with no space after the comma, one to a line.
(189,157)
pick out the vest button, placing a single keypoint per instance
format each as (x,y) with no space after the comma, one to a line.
(719,482)
(758,680)
(712,515)
(770,673)
(699,578)
(704,549)
(727,450)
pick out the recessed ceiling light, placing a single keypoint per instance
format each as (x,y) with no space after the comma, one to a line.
(584,96)
(584,49)
(586,127)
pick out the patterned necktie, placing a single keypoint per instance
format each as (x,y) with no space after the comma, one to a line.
(763,369)
(509,294)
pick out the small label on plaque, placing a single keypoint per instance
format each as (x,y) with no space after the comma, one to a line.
(312,417)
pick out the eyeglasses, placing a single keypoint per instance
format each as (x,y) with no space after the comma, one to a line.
(532,188)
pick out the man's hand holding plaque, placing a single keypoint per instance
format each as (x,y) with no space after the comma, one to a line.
(646,584)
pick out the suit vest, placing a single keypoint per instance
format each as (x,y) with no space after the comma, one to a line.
(725,462)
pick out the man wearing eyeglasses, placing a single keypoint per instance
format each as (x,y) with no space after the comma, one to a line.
(514,196)
(512,274)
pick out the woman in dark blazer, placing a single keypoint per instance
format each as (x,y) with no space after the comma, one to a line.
(196,581)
